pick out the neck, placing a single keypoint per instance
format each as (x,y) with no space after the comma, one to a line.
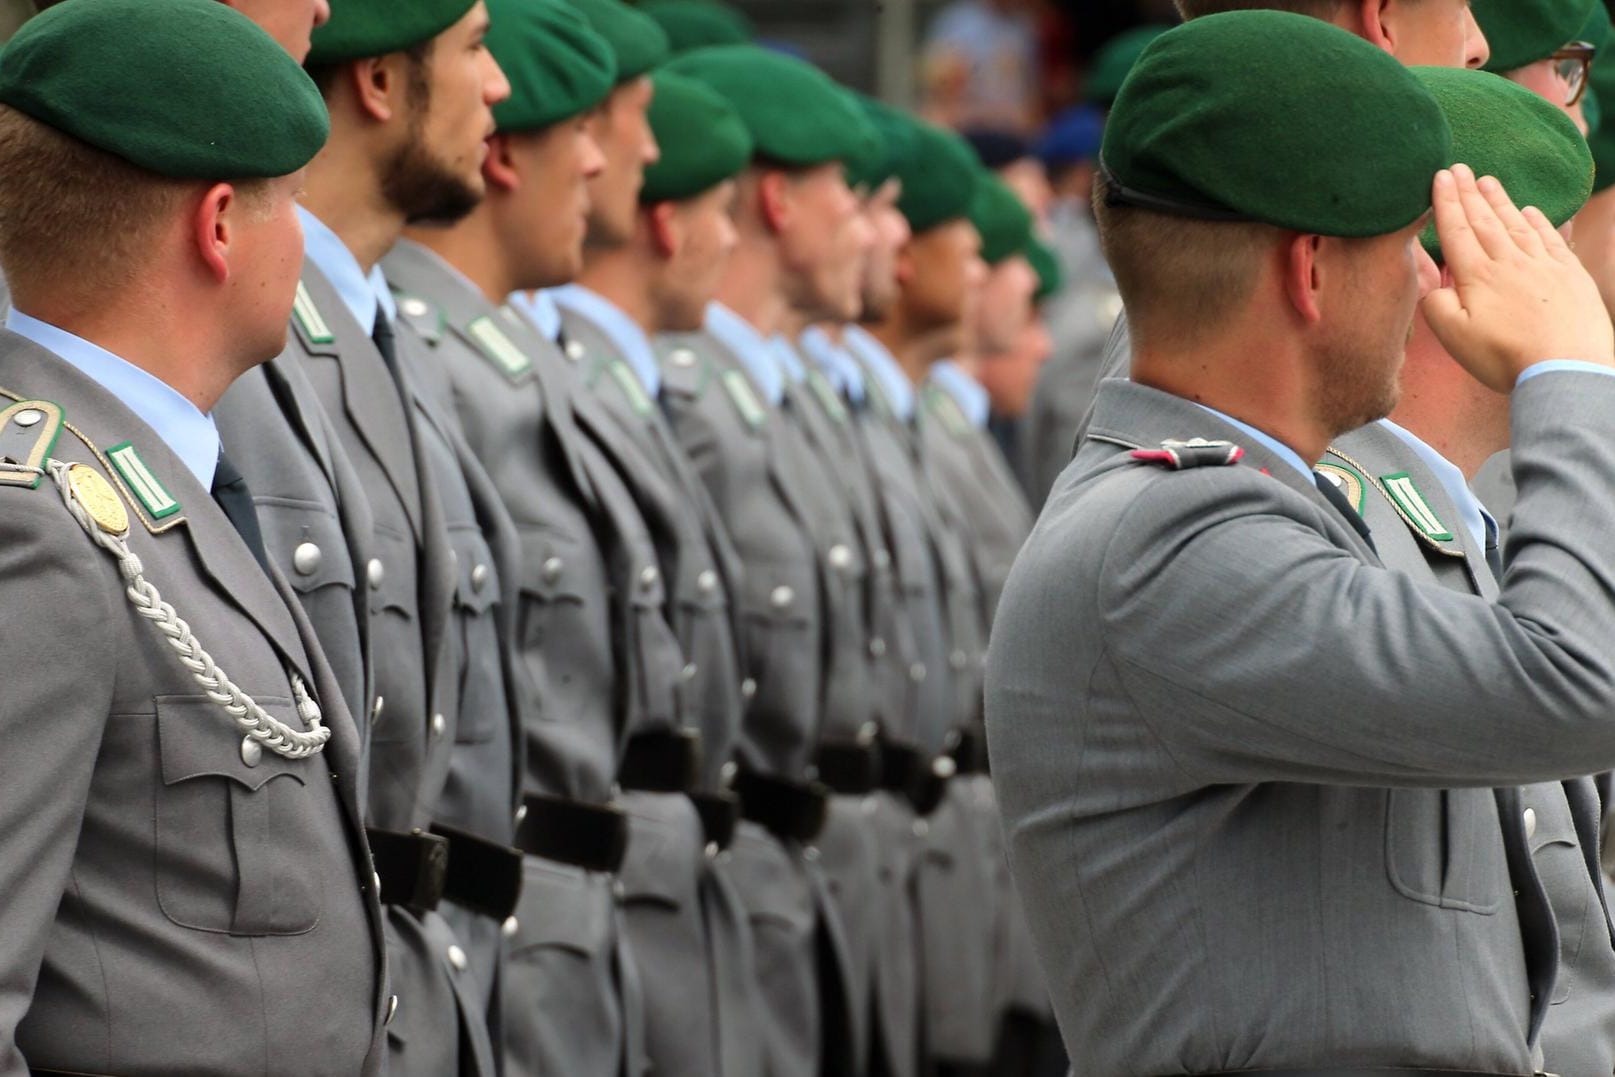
(1447,409)
(343,193)
(751,285)
(915,350)
(622,275)
(473,247)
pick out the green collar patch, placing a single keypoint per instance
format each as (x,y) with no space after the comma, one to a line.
(751,409)
(947,409)
(632,388)
(498,348)
(827,396)
(1413,507)
(309,321)
(28,433)
(1348,480)
(159,503)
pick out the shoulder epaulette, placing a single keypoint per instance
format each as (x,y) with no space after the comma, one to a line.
(421,315)
(28,433)
(1187,455)
(495,346)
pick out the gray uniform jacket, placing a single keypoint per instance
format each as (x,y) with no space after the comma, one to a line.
(164,883)
(391,543)
(1417,530)
(1203,695)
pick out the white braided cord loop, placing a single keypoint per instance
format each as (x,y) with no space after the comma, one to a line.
(252,719)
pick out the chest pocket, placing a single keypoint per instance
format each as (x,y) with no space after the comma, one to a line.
(1442,848)
(565,633)
(230,833)
(483,707)
(308,539)
(1556,853)
(388,579)
(658,664)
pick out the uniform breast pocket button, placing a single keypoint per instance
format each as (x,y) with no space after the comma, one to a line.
(252,753)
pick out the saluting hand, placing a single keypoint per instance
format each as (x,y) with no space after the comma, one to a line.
(1519,295)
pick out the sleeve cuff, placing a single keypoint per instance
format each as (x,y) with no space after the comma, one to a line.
(1549,366)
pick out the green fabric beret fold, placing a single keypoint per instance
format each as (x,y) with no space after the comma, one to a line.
(557,67)
(636,39)
(797,115)
(1002,219)
(1598,27)
(1521,32)
(893,135)
(1502,129)
(1050,278)
(695,24)
(1116,59)
(1602,139)
(703,140)
(188,89)
(940,175)
(363,28)
(1275,117)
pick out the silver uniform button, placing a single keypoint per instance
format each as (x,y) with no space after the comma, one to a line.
(375,572)
(727,773)
(510,927)
(712,850)
(958,660)
(415,308)
(251,751)
(681,357)
(619,892)
(521,814)
(689,671)
(748,688)
(457,958)
(810,853)
(376,709)
(479,577)
(840,558)
(867,733)
(883,559)
(574,350)
(439,725)
(921,828)
(306,559)
(552,569)
(944,767)
(707,581)
(392,1009)
(375,880)
(916,672)
(877,648)
(781,597)
(1530,822)
(28,417)
(648,576)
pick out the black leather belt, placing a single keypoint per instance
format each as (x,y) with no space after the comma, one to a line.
(787,809)
(412,866)
(720,815)
(1360,1072)
(969,751)
(664,761)
(589,836)
(900,765)
(484,876)
(849,767)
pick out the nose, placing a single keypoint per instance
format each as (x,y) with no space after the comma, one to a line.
(322,12)
(1477,49)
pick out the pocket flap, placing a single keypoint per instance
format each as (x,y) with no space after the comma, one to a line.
(782,592)
(198,738)
(556,568)
(309,538)
(476,584)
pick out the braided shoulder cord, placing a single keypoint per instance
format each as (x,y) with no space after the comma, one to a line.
(253,720)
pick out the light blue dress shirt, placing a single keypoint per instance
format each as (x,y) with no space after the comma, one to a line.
(188,433)
(362,293)
(624,333)
(882,365)
(790,363)
(966,391)
(1548,366)
(737,334)
(538,308)
(834,363)
(1281,450)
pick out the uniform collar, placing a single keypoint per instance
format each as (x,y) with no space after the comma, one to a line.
(834,363)
(752,349)
(538,308)
(188,433)
(966,391)
(1268,441)
(790,363)
(882,365)
(362,293)
(1475,516)
(622,331)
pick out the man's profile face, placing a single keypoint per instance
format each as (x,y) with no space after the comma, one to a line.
(551,217)
(1005,305)
(889,232)
(1437,33)
(825,245)
(622,131)
(266,258)
(290,22)
(1545,79)
(706,237)
(942,272)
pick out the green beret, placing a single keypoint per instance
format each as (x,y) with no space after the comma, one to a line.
(1050,278)
(638,42)
(893,131)
(695,24)
(1521,32)
(1002,219)
(1602,141)
(797,115)
(1279,118)
(558,67)
(363,28)
(703,140)
(1598,27)
(1502,129)
(188,89)
(1115,60)
(940,175)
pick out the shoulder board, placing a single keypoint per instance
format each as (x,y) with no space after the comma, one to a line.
(738,386)
(421,315)
(498,348)
(685,372)
(309,322)
(1350,481)
(828,397)
(632,387)
(1191,454)
(28,433)
(1413,508)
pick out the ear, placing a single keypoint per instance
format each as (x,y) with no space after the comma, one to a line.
(666,229)
(774,200)
(499,167)
(1303,276)
(378,85)
(213,228)
(1378,23)
(905,263)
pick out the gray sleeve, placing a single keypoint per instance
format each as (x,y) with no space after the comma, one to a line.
(1257,651)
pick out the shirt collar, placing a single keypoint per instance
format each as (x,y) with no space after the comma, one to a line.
(738,335)
(362,293)
(1278,448)
(624,333)
(883,367)
(188,433)
(538,308)
(965,390)
(834,363)
(1474,514)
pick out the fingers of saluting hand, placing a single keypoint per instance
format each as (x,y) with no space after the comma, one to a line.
(1460,246)
(1520,230)
(1489,231)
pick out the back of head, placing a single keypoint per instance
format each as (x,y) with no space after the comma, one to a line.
(1320,9)
(1522,32)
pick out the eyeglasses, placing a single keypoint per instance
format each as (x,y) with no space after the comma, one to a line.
(1573,63)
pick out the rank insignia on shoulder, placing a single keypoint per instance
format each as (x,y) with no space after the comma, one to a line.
(309,321)
(28,432)
(1196,452)
(499,349)
(1410,503)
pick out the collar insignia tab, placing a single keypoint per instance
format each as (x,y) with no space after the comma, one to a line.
(1413,507)
(141,482)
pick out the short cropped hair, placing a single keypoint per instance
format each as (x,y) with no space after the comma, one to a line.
(1322,9)
(1179,278)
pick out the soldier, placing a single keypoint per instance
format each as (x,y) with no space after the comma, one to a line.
(356,516)
(1204,687)
(1429,525)
(184,831)
(798,256)
(666,269)
(1541,46)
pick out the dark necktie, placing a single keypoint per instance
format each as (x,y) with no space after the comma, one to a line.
(386,341)
(231,493)
(1331,493)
